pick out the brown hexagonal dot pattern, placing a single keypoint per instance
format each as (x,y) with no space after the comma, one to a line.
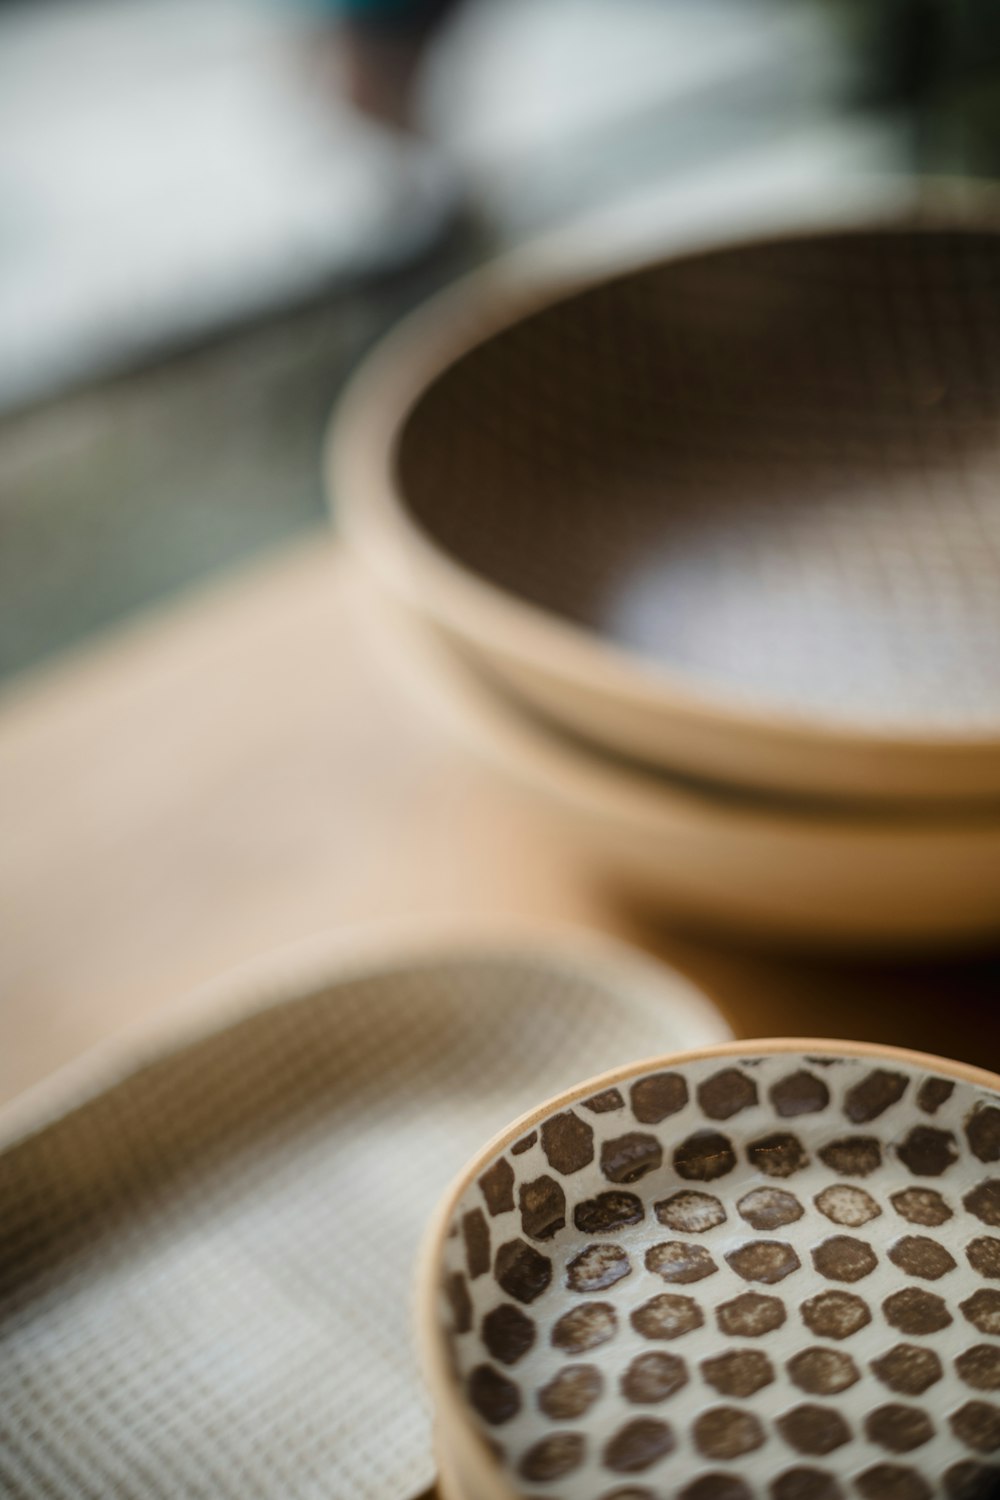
(768,1276)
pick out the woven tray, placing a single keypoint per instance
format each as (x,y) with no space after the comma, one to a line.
(206,1243)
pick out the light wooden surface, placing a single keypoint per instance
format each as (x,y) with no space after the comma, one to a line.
(242,770)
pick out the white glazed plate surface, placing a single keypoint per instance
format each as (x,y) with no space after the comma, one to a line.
(744,1276)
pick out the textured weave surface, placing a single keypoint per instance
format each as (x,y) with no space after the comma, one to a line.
(770,469)
(205,1270)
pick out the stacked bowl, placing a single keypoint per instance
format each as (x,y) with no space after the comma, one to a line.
(705,551)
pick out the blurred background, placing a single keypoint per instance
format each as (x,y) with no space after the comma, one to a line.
(209,209)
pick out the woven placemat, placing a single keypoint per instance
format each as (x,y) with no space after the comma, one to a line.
(206,1262)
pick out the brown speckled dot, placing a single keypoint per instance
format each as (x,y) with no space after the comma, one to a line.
(524,1144)
(813,1430)
(898,1428)
(638,1446)
(984,1256)
(977,1425)
(605,1102)
(727,1432)
(585,1327)
(921,1206)
(656,1097)
(690,1212)
(568,1143)
(457,1293)
(607,1212)
(629,1157)
(928,1151)
(984,1202)
(892,1482)
(704,1156)
(982,1310)
(597,1267)
(778,1155)
(982,1131)
(918,1255)
(508,1333)
(571,1393)
(980,1367)
(739,1372)
(497,1184)
(679,1262)
(726,1093)
(630,1492)
(853,1156)
(552,1458)
(716,1487)
(914,1311)
(476,1234)
(764,1260)
(908,1369)
(850,1206)
(933,1093)
(805,1484)
(873,1095)
(769,1208)
(543,1208)
(823,1372)
(667,1316)
(843,1258)
(494,1397)
(653,1377)
(750,1316)
(522,1271)
(835,1315)
(800,1093)
(972,1481)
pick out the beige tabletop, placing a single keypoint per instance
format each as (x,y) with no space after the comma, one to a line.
(241,771)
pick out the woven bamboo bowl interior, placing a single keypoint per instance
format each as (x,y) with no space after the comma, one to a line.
(735,513)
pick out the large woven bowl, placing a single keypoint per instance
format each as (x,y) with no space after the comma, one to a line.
(736,512)
(765,1271)
(766,870)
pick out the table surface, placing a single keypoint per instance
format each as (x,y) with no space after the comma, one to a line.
(241,771)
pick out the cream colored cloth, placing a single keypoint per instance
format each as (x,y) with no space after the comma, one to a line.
(205,1266)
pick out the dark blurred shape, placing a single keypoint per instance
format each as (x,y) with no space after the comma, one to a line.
(939,61)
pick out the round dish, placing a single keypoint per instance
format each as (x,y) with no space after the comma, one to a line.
(735,512)
(766,1269)
(763,870)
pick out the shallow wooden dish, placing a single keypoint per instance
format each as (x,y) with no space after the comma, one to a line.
(735,512)
(764,1271)
(767,870)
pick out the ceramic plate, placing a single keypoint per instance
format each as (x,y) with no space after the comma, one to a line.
(773,1271)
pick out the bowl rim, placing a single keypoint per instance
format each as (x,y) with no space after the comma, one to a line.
(512,734)
(450,1412)
(367,424)
(863,879)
